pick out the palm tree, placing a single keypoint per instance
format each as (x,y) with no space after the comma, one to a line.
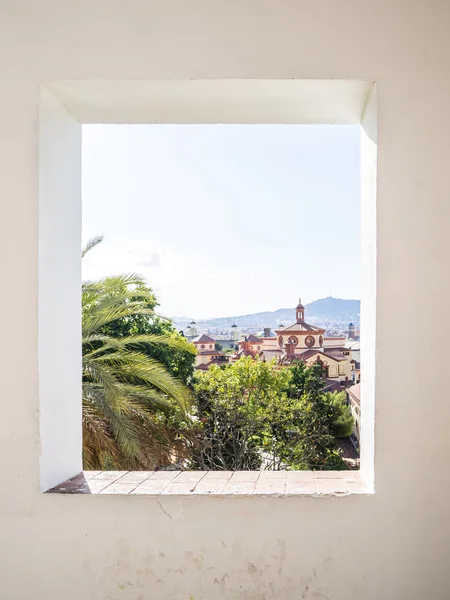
(135,414)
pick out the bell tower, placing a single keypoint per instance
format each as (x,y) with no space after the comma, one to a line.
(351,332)
(300,312)
(193,329)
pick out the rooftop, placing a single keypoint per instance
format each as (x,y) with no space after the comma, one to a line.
(253,339)
(355,393)
(203,339)
(335,353)
(303,326)
(332,385)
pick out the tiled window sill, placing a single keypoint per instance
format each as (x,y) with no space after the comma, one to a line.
(214,483)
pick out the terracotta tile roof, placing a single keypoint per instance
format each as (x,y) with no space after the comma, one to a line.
(301,327)
(253,339)
(332,385)
(202,367)
(335,354)
(338,348)
(310,353)
(218,361)
(203,339)
(288,359)
(210,352)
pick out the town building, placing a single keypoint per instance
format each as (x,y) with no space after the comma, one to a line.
(302,341)
(228,339)
(352,333)
(207,354)
(191,331)
(355,354)
(354,399)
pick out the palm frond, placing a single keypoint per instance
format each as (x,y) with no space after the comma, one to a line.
(162,341)
(102,374)
(139,369)
(129,399)
(115,283)
(91,244)
(120,425)
(96,320)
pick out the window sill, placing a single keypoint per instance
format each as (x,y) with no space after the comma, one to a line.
(214,483)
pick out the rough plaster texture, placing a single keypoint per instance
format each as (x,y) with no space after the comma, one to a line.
(393,545)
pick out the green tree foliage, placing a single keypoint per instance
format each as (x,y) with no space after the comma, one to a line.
(179,359)
(341,419)
(254,414)
(317,420)
(231,405)
(135,409)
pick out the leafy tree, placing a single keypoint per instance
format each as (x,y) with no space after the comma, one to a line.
(135,412)
(318,418)
(218,346)
(341,419)
(305,380)
(231,404)
(255,415)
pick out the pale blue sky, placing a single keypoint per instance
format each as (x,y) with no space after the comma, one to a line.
(225,219)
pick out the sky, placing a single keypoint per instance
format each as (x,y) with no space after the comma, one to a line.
(225,220)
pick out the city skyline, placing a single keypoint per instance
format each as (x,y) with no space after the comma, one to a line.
(274,310)
(225,220)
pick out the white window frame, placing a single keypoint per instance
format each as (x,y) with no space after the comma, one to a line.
(64,107)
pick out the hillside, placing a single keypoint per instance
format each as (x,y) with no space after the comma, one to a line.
(336,311)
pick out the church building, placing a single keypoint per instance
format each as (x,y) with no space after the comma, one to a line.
(302,341)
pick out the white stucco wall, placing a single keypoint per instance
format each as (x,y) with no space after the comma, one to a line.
(59,313)
(393,545)
(270,344)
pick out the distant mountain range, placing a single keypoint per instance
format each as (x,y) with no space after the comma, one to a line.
(327,312)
